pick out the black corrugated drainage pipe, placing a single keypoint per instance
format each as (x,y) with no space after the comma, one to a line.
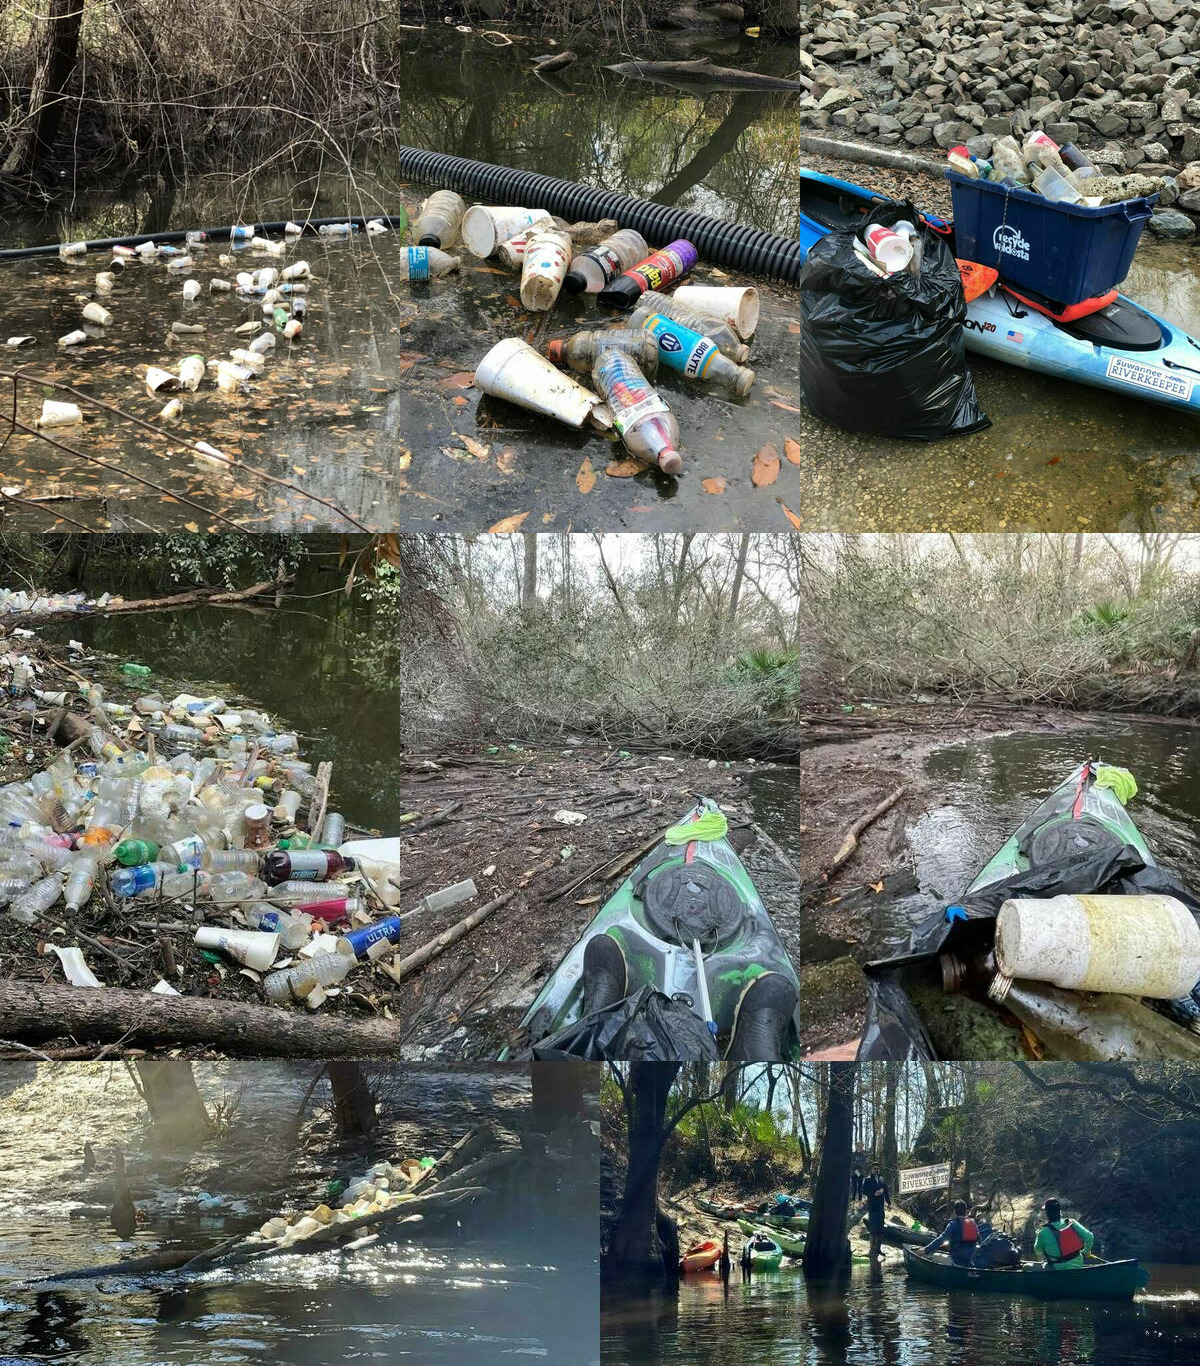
(718,242)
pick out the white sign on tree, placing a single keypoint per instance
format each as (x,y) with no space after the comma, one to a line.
(924,1178)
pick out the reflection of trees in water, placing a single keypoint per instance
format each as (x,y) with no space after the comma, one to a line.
(55,1327)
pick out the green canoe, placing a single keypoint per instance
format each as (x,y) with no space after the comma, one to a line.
(1075,817)
(677,893)
(1096,1281)
(759,1255)
(791,1245)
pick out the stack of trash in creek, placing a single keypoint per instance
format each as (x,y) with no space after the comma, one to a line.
(180,844)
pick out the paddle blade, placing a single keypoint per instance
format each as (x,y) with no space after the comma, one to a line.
(976,279)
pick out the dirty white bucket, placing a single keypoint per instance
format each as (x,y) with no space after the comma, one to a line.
(483,229)
(56,414)
(252,948)
(1135,945)
(735,306)
(547,256)
(513,370)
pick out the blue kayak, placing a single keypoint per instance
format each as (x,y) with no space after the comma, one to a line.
(1122,347)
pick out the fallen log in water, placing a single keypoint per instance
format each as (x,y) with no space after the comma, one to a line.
(702,72)
(193,597)
(45,1010)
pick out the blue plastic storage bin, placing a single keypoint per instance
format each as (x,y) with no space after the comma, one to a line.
(1065,252)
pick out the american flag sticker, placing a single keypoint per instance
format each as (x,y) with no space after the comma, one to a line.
(1017,337)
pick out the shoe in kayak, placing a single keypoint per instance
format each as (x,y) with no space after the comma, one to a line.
(645,935)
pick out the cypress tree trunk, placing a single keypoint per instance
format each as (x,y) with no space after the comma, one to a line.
(174,1101)
(353,1105)
(826,1252)
(56,40)
(637,1250)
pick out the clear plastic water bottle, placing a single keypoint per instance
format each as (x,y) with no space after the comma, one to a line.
(81,879)
(30,905)
(580,351)
(591,270)
(645,424)
(334,831)
(12,885)
(440,219)
(294,984)
(230,860)
(293,927)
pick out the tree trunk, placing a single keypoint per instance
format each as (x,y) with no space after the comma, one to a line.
(529,575)
(826,1252)
(888,1155)
(174,1101)
(735,594)
(353,1105)
(635,1251)
(46,1010)
(560,1091)
(680,578)
(57,43)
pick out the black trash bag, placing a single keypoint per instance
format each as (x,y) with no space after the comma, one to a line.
(645,1027)
(886,355)
(997,1250)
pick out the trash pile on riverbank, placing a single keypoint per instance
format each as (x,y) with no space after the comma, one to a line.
(179,845)
(554,830)
(1117,79)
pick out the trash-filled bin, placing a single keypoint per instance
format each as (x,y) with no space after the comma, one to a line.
(1064,252)
(886,355)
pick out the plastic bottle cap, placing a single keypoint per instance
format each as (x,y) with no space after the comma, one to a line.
(556,351)
(431,239)
(574,283)
(257,812)
(670,461)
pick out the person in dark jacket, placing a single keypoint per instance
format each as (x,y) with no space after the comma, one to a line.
(878,1198)
(961,1234)
(858,1167)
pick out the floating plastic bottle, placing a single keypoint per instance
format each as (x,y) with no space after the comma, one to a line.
(295,984)
(334,830)
(131,853)
(336,229)
(579,352)
(31,905)
(645,424)
(305,865)
(657,270)
(547,255)
(695,356)
(440,220)
(294,928)
(191,290)
(593,269)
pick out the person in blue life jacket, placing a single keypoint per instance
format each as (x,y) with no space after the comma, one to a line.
(878,1197)
(961,1235)
(1064,1243)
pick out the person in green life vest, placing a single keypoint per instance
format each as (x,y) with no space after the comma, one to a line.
(1063,1242)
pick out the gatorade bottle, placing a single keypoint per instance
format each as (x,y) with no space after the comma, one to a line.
(306,865)
(726,338)
(662,268)
(645,423)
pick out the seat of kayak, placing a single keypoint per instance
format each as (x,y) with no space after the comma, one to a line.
(1068,839)
(833,210)
(690,901)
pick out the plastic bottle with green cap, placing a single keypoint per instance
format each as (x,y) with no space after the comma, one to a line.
(136,670)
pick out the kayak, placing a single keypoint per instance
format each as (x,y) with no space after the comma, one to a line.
(717,1209)
(902,1235)
(785,1221)
(762,1253)
(676,893)
(1077,817)
(702,1256)
(791,1245)
(1095,1281)
(1121,347)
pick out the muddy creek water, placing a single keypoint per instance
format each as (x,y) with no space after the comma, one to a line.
(483,1296)
(882,1317)
(979,792)
(370,407)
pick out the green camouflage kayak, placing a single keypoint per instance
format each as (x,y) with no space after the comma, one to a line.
(761,1252)
(678,893)
(792,1245)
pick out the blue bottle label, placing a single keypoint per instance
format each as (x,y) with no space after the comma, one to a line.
(418,263)
(679,348)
